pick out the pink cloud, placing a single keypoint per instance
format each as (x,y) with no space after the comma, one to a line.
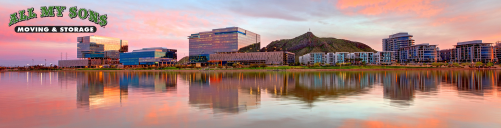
(424,8)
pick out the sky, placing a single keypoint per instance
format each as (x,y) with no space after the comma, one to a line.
(167,23)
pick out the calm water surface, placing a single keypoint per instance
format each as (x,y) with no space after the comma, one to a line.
(251,99)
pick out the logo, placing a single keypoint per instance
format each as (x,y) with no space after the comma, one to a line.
(53,11)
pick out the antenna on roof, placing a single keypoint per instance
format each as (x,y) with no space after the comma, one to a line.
(309,29)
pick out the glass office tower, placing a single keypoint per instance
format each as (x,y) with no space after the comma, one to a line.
(230,39)
(91,46)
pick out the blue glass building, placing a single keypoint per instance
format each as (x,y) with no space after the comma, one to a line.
(149,56)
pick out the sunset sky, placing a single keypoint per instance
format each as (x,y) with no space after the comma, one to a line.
(167,23)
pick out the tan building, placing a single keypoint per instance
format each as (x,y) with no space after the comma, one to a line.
(278,57)
(82,63)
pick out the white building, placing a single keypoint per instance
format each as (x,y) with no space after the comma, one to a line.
(312,58)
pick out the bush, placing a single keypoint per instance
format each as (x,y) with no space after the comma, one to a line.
(254,66)
(327,65)
(316,65)
(455,64)
(479,64)
(179,66)
(435,64)
(490,64)
(263,65)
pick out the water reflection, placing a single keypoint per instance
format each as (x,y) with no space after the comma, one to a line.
(154,98)
(103,89)
(234,92)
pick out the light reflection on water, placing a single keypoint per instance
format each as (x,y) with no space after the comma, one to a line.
(444,98)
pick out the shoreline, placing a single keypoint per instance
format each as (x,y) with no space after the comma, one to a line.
(264,70)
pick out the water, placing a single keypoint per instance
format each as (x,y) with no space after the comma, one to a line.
(417,98)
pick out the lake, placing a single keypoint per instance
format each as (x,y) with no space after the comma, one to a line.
(397,98)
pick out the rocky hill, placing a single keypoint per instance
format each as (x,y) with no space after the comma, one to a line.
(183,60)
(308,42)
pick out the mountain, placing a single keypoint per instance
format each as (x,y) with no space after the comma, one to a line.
(251,48)
(183,60)
(308,42)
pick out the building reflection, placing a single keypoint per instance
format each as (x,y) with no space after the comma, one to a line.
(311,87)
(401,86)
(102,89)
(473,83)
(232,92)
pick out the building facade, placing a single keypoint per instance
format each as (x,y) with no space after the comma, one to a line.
(473,51)
(149,56)
(330,58)
(497,49)
(396,41)
(229,39)
(385,58)
(382,57)
(342,57)
(278,58)
(361,57)
(421,53)
(81,63)
(96,47)
(445,55)
(312,58)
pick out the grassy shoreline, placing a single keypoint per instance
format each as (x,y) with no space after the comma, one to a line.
(278,68)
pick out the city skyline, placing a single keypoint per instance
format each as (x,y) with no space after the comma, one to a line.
(167,23)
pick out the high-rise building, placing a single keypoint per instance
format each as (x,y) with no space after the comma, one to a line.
(473,51)
(96,47)
(98,51)
(149,56)
(396,41)
(230,39)
(421,53)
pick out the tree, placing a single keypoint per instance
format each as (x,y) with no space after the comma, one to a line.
(477,64)
(490,64)
(364,63)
